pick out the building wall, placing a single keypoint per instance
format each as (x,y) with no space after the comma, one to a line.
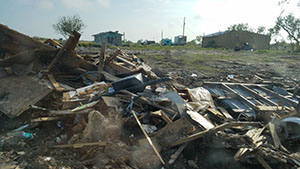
(180,40)
(109,38)
(237,39)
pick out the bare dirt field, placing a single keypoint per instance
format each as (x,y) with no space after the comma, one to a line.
(216,65)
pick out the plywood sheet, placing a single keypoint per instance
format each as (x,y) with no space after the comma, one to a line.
(17,93)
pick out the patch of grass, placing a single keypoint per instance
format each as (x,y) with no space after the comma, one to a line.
(88,44)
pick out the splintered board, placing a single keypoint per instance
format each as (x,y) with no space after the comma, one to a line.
(17,93)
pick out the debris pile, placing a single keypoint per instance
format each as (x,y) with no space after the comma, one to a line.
(109,110)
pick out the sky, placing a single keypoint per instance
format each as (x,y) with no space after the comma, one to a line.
(141,19)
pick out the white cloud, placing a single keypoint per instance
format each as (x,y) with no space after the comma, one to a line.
(44,4)
(40,4)
(218,15)
(85,5)
(104,3)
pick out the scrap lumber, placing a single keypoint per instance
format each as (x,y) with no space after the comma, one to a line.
(201,120)
(112,56)
(68,46)
(255,135)
(101,62)
(17,93)
(53,43)
(13,42)
(44,119)
(118,67)
(148,138)
(126,61)
(177,153)
(213,130)
(163,115)
(27,57)
(80,145)
(274,135)
(70,112)
(262,161)
(54,83)
(173,132)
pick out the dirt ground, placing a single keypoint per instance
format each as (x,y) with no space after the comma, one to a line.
(215,65)
(189,67)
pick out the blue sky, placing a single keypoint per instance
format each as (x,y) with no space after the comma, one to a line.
(140,19)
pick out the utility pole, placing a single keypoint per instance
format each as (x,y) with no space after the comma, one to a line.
(183,26)
(162,34)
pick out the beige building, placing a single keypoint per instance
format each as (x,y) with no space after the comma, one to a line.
(236,39)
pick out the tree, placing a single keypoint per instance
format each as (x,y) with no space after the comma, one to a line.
(199,39)
(67,24)
(261,30)
(290,25)
(240,27)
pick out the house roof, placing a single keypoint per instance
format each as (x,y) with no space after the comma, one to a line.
(108,32)
(225,32)
(215,34)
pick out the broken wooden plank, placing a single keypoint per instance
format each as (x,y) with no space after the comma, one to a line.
(70,112)
(17,93)
(148,138)
(101,61)
(53,43)
(262,161)
(163,115)
(197,117)
(274,135)
(213,130)
(255,135)
(126,61)
(80,145)
(178,152)
(121,69)
(112,56)
(26,57)
(54,83)
(44,119)
(68,46)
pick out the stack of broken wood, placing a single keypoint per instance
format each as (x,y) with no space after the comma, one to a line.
(168,115)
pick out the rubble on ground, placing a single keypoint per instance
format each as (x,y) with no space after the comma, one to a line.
(110,110)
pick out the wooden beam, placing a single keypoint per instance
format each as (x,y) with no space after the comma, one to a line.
(263,162)
(80,145)
(54,83)
(112,56)
(274,135)
(101,61)
(68,46)
(178,152)
(126,61)
(213,130)
(118,67)
(27,57)
(148,138)
(163,115)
